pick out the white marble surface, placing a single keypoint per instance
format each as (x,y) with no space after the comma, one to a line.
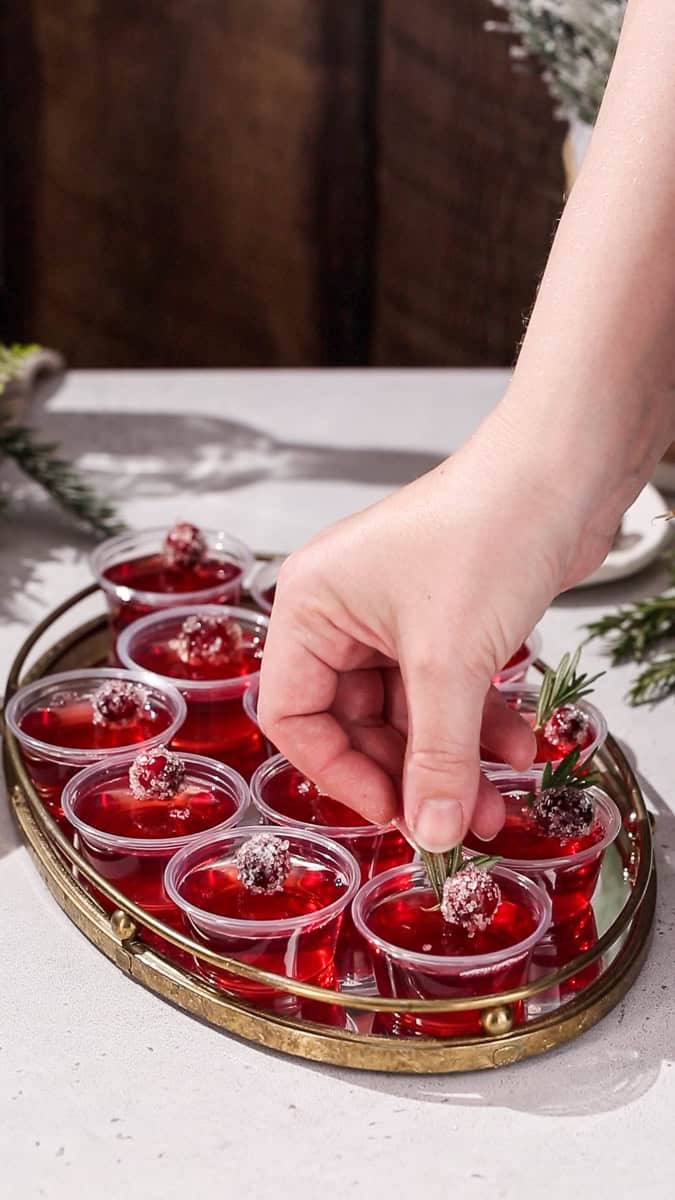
(107,1092)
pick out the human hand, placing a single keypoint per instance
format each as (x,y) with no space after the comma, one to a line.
(388,627)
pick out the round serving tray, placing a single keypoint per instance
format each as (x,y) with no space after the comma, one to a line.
(623,908)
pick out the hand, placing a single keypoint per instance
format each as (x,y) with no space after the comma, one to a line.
(388,628)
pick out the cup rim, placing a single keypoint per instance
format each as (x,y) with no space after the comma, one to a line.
(277,764)
(196,765)
(99,559)
(233,684)
(256,586)
(612,822)
(476,962)
(82,757)
(533,643)
(250,701)
(259,928)
(530,694)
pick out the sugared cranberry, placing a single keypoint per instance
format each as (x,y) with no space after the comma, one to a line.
(470,899)
(118,702)
(208,640)
(568,726)
(263,862)
(156,775)
(184,545)
(563,812)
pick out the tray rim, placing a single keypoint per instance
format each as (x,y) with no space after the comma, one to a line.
(499,1045)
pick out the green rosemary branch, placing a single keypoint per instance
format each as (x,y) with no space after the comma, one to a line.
(655,682)
(42,461)
(564,775)
(440,867)
(563,686)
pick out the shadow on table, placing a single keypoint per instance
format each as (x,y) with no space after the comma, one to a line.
(134,454)
(610,1066)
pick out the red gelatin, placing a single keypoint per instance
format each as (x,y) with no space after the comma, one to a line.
(417,954)
(129,840)
(140,573)
(568,867)
(264,584)
(291,932)
(559,947)
(524,700)
(216,724)
(282,794)
(58,724)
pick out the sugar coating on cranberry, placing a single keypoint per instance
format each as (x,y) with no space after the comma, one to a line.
(118,702)
(263,862)
(470,899)
(156,775)
(184,545)
(563,812)
(208,640)
(567,726)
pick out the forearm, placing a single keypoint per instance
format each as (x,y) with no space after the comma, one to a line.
(594,386)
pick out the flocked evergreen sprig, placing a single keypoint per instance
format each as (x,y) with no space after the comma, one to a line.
(43,462)
(563,685)
(643,632)
(574,41)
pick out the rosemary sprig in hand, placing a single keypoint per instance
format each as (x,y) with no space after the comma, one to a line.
(562,685)
(440,867)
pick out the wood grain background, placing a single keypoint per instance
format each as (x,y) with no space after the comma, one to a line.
(271,182)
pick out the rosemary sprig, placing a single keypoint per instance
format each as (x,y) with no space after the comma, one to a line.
(42,461)
(655,682)
(565,775)
(440,867)
(563,686)
(641,633)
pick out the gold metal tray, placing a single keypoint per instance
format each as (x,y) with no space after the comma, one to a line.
(624,908)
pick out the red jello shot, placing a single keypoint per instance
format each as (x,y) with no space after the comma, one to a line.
(69,721)
(129,831)
(276,905)
(263,584)
(515,670)
(560,946)
(566,864)
(212,654)
(155,569)
(284,796)
(417,955)
(585,731)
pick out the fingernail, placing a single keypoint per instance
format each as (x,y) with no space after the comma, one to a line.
(438,826)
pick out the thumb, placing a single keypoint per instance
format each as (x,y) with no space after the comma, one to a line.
(442,767)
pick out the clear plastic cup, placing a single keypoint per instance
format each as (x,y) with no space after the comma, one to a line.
(515,670)
(250,704)
(278,791)
(60,706)
(98,804)
(570,876)
(300,947)
(215,724)
(263,584)
(410,974)
(119,556)
(524,700)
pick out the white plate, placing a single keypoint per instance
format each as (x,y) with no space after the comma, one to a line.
(643,536)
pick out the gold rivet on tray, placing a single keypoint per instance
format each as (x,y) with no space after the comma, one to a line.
(497,1021)
(122,925)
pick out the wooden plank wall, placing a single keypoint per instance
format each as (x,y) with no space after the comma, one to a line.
(271,182)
